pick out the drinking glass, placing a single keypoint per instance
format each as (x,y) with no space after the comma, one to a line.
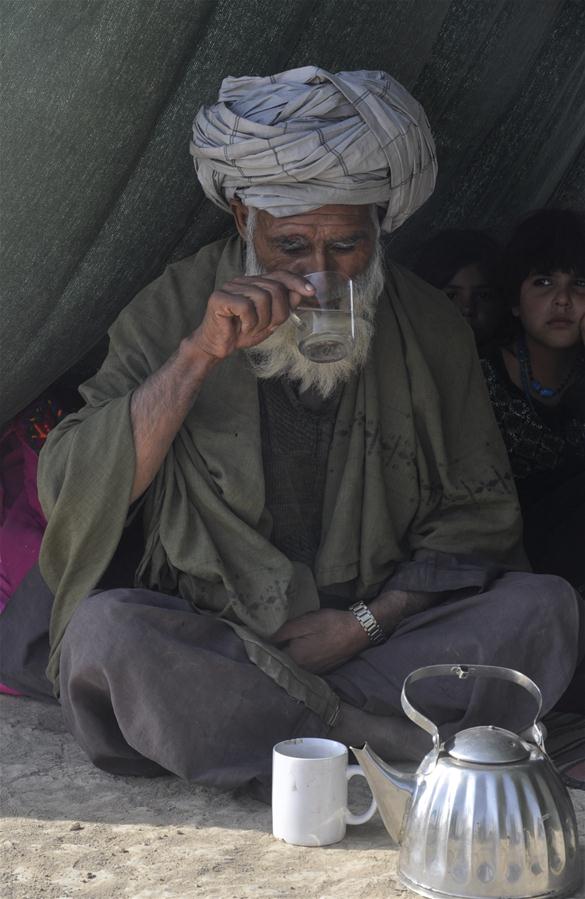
(325,322)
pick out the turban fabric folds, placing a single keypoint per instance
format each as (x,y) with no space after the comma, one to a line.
(292,142)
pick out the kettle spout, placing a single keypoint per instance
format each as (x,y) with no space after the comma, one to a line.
(392,789)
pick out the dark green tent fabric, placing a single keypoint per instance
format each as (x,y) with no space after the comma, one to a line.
(98,191)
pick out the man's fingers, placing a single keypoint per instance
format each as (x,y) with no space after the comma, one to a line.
(229,305)
(246,310)
(285,289)
(298,289)
(293,283)
(261,298)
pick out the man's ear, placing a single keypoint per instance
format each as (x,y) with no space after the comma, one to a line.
(240,214)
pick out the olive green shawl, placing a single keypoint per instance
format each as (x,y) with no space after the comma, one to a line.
(416,463)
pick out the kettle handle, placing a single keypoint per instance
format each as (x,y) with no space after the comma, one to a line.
(462,672)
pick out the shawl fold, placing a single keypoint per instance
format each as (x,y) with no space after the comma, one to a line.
(416,467)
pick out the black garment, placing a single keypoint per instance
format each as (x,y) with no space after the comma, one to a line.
(296,436)
(546,448)
(545,444)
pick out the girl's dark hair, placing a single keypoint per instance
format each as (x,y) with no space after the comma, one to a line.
(440,257)
(546,241)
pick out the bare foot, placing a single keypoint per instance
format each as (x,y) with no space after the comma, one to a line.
(393,739)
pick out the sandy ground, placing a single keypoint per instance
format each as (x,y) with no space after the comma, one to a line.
(67,829)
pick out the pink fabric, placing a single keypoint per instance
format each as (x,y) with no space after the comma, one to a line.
(21,519)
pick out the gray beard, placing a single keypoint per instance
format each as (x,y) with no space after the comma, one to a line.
(279,356)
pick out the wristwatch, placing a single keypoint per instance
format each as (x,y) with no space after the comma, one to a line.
(368,622)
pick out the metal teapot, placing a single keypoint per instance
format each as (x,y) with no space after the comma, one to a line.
(485,815)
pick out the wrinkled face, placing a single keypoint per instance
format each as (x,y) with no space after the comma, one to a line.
(551,308)
(342,239)
(332,238)
(476,300)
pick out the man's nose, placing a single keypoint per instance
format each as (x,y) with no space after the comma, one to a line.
(320,260)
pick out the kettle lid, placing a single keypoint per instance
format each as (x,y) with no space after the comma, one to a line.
(488,745)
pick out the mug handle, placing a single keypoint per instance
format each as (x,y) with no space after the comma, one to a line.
(350,818)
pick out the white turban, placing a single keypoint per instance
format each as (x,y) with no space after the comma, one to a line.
(305,138)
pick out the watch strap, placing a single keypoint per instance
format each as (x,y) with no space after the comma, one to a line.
(368,622)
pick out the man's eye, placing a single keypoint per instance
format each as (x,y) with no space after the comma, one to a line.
(343,247)
(452,294)
(542,281)
(292,248)
(579,283)
(484,296)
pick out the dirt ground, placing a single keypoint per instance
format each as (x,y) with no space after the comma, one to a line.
(68,830)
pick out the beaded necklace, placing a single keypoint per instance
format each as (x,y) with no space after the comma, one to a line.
(529,382)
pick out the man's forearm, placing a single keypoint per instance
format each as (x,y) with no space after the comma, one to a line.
(392,607)
(159,407)
(321,641)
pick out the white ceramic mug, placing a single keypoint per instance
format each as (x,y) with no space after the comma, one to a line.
(309,792)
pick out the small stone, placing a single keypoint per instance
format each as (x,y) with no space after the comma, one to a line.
(90,876)
(76,826)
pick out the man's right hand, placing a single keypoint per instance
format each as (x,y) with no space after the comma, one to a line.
(241,314)
(247,310)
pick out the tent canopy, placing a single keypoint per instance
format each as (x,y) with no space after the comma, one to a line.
(98,188)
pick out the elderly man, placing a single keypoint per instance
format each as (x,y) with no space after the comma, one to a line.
(312,531)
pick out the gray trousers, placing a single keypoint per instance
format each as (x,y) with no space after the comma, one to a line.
(148,686)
